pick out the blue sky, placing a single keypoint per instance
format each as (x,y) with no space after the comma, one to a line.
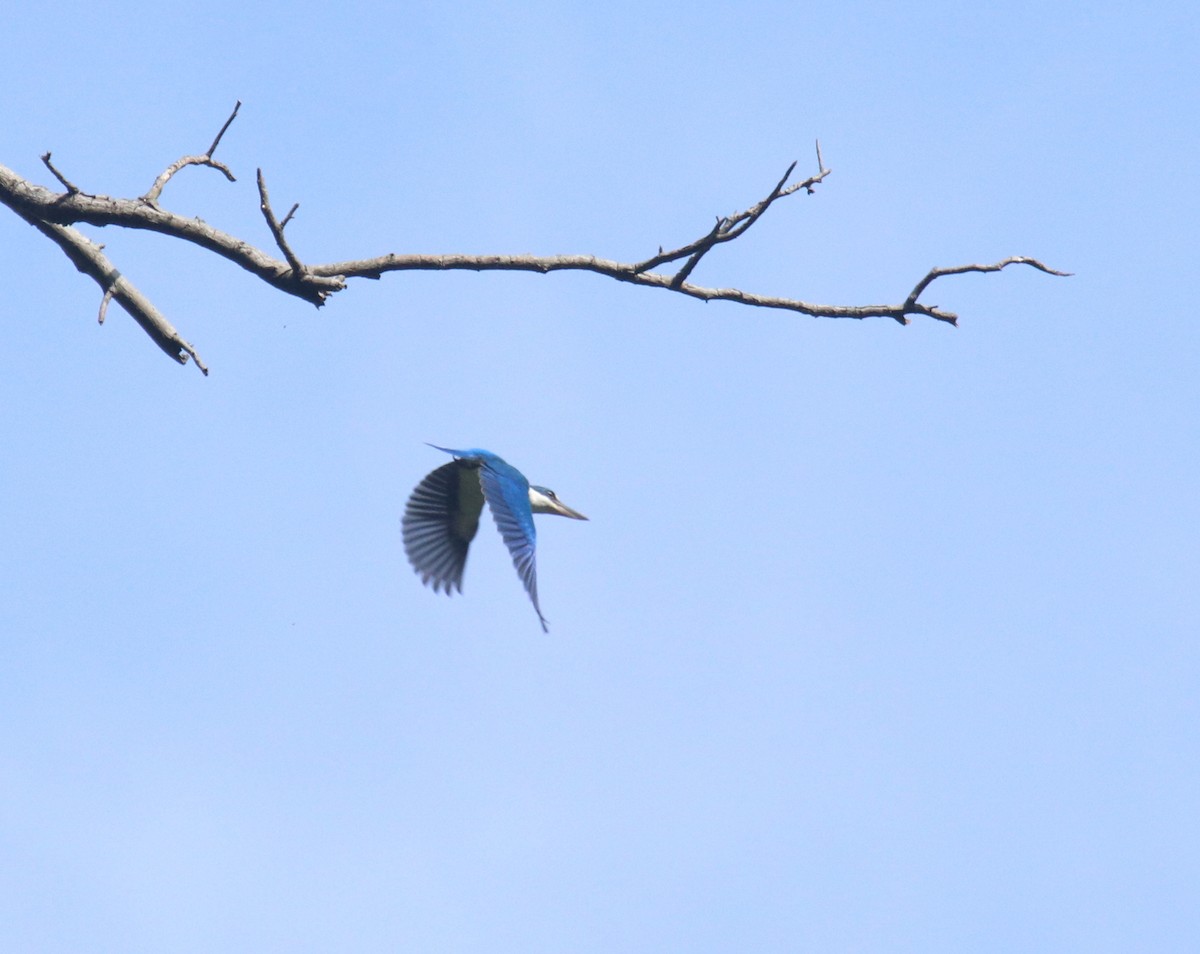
(878,639)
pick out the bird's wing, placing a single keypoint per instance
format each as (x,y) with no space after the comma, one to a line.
(440,522)
(507,493)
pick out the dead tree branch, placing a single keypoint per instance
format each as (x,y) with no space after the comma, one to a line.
(71,187)
(299,271)
(54,214)
(89,259)
(204,160)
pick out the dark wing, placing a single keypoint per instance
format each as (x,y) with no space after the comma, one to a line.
(507,493)
(440,522)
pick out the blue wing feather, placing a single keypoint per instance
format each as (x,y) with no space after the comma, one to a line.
(507,494)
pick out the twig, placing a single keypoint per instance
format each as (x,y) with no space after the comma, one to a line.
(727,229)
(206,159)
(287,218)
(217,141)
(71,187)
(108,296)
(731,227)
(298,268)
(910,304)
(705,244)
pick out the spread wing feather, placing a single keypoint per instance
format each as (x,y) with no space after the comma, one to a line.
(440,522)
(507,494)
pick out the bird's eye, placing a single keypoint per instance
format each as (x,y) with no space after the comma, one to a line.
(551,494)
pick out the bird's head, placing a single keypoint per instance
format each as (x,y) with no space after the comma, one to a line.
(545,500)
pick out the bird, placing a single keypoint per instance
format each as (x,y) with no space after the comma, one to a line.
(442,517)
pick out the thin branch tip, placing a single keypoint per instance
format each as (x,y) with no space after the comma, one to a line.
(1020,259)
(108,296)
(910,304)
(71,187)
(217,141)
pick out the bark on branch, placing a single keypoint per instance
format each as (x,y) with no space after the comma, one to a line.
(54,214)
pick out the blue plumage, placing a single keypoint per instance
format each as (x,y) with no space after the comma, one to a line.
(442,517)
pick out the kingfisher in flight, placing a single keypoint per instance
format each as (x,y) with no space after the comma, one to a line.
(443,511)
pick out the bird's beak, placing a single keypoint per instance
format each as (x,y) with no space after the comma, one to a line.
(563,510)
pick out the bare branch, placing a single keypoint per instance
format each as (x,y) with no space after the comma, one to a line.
(624,272)
(298,268)
(28,199)
(204,160)
(87,257)
(217,140)
(71,187)
(705,244)
(910,303)
(108,296)
(936,273)
(731,226)
(53,213)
